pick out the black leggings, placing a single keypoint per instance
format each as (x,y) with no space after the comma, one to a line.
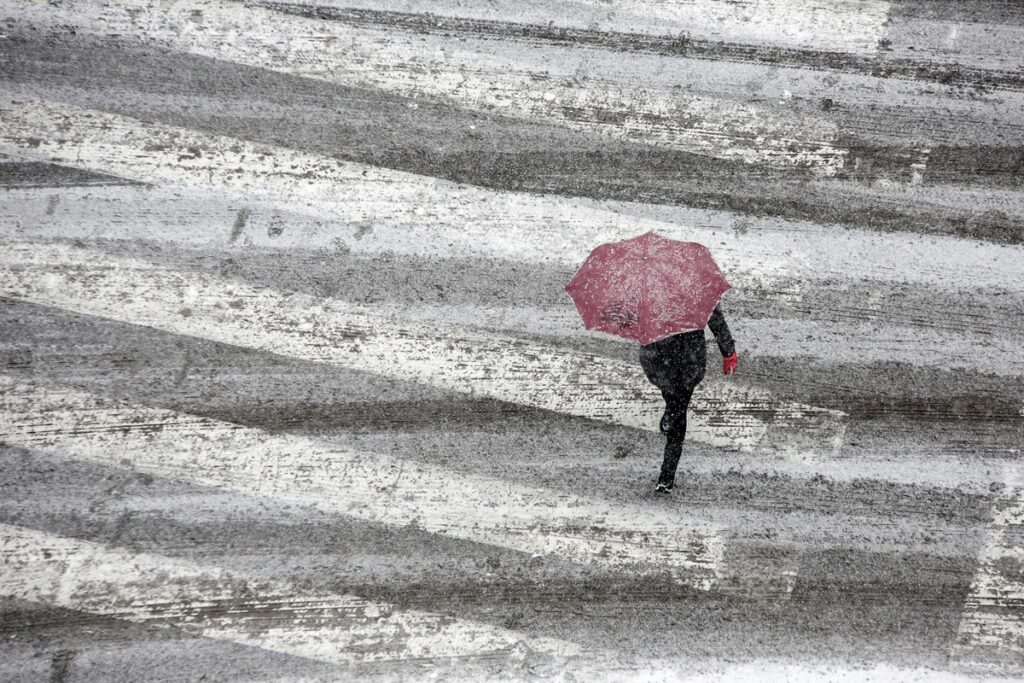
(673,425)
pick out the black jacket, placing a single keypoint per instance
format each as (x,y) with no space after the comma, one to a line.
(679,361)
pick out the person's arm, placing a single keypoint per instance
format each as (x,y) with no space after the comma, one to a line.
(725,342)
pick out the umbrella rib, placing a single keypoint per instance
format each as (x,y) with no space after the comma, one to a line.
(644,290)
(665,273)
(645,295)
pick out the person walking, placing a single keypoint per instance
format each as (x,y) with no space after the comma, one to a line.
(660,293)
(676,365)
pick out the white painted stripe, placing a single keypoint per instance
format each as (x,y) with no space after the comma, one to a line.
(840,25)
(747,567)
(992,627)
(279,616)
(325,202)
(834,25)
(328,330)
(881,110)
(840,253)
(377,209)
(489,82)
(831,342)
(369,486)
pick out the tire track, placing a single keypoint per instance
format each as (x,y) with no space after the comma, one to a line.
(371,126)
(326,330)
(702,124)
(376,413)
(991,632)
(327,257)
(924,558)
(22,174)
(209,602)
(320,186)
(864,58)
(368,486)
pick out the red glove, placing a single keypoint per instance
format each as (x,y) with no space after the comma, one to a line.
(729,364)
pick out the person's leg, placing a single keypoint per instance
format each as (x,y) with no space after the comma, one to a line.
(676,404)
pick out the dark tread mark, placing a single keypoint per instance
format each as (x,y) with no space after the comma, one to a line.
(371,127)
(61,665)
(674,46)
(41,174)
(239,225)
(984,11)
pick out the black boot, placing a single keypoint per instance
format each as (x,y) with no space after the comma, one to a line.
(673,451)
(673,425)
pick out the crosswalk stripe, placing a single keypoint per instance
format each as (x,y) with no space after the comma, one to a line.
(488,82)
(191,374)
(873,40)
(327,330)
(326,202)
(765,337)
(369,486)
(278,616)
(991,631)
(449,357)
(835,26)
(398,212)
(842,25)
(160,215)
(827,252)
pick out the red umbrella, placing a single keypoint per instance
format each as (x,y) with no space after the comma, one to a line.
(647,288)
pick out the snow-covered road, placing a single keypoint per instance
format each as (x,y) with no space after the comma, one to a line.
(290,388)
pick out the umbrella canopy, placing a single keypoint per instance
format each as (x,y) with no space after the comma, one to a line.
(647,288)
